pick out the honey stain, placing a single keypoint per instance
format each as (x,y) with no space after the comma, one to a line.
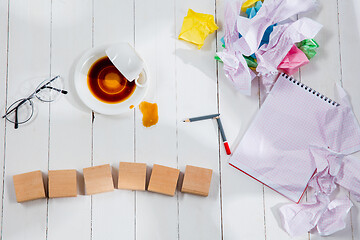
(150,113)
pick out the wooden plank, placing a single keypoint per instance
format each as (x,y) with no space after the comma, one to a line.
(349,25)
(113,136)
(323,72)
(70,123)
(156,214)
(3,81)
(198,141)
(242,196)
(29,58)
(272,202)
(324,69)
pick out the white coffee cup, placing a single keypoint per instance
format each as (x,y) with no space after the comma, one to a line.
(81,72)
(127,61)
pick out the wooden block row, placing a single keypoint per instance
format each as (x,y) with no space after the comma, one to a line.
(98,179)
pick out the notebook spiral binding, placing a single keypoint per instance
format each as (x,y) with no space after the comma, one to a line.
(310,90)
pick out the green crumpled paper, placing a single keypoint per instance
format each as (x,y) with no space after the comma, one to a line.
(251,62)
(308,46)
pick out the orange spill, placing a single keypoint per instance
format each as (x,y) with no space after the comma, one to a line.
(150,113)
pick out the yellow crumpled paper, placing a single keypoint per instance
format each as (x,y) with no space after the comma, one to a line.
(196,27)
(247,4)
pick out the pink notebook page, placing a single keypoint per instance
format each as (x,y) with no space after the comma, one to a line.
(275,148)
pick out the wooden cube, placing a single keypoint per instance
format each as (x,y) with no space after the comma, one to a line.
(163,180)
(196,180)
(62,183)
(29,186)
(132,176)
(98,179)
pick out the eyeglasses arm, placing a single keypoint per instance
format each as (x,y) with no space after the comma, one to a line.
(45,85)
(58,90)
(16,126)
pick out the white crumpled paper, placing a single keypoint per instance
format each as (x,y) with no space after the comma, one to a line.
(252,31)
(235,66)
(334,168)
(271,12)
(283,37)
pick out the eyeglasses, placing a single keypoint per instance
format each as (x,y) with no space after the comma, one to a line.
(22,110)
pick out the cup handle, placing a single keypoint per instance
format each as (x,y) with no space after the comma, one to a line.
(141,80)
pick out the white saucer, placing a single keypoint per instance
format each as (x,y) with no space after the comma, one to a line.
(81,86)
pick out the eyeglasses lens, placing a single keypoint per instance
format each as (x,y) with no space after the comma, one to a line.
(48,91)
(22,109)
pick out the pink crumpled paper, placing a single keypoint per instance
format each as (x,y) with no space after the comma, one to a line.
(293,61)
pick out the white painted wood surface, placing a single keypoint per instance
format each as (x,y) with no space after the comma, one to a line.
(113,137)
(155,40)
(349,32)
(40,38)
(3,76)
(70,141)
(27,148)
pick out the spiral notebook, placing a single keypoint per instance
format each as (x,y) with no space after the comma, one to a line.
(294,117)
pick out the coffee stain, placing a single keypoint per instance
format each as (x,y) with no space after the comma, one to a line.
(150,113)
(107,84)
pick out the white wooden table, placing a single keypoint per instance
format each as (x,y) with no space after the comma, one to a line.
(43,37)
